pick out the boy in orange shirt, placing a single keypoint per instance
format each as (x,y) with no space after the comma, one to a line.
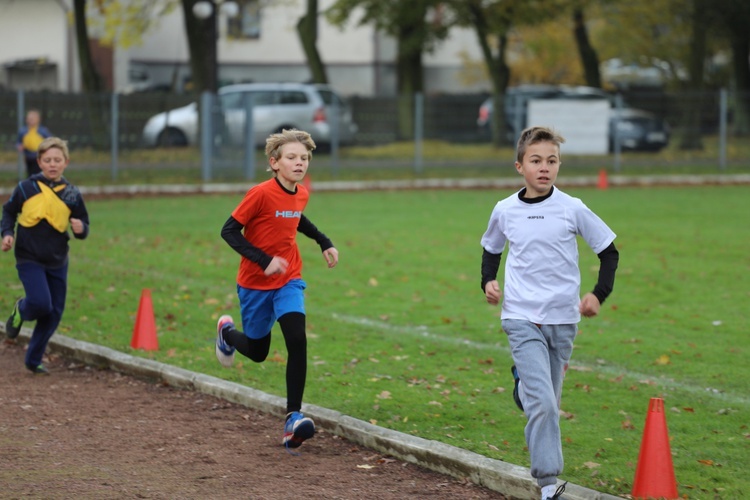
(263,230)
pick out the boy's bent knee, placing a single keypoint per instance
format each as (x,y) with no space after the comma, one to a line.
(36,309)
(545,408)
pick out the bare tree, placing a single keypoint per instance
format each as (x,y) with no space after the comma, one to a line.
(493,21)
(201,38)
(691,137)
(90,77)
(307,28)
(589,58)
(415,34)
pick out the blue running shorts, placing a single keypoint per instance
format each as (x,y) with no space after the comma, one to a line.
(261,308)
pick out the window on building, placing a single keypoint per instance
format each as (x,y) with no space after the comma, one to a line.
(246,24)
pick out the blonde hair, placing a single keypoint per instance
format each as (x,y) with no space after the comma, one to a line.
(275,142)
(534,135)
(54,142)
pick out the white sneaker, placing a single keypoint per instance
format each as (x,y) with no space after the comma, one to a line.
(224,351)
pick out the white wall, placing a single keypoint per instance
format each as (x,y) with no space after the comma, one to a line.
(276,55)
(358,60)
(33,29)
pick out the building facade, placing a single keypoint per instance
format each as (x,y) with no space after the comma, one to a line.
(38,46)
(260,44)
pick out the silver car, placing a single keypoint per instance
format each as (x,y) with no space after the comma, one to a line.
(316,109)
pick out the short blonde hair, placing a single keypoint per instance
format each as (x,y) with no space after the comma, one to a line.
(51,143)
(275,142)
(534,135)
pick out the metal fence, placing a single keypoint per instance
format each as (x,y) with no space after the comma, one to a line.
(707,128)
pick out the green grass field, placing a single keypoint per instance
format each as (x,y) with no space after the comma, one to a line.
(400,334)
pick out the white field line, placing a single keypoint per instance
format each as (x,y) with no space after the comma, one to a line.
(422,332)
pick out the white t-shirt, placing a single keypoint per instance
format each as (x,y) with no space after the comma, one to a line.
(542,279)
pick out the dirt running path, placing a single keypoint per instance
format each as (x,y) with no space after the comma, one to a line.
(88,433)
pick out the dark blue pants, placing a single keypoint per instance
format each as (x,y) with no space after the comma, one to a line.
(44,303)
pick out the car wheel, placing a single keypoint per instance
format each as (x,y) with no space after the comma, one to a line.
(170,137)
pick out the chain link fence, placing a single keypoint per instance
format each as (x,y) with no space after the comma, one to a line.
(107,133)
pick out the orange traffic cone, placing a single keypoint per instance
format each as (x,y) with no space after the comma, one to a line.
(603,182)
(654,475)
(144,333)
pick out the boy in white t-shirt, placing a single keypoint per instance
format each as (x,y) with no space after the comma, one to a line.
(541,297)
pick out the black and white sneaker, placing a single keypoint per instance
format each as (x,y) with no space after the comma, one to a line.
(558,493)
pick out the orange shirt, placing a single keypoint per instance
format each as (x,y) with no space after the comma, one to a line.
(270,215)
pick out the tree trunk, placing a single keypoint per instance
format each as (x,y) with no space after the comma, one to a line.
(589,58)
(409,71)
(740,43)
(92,81)
(307,28)
(201,38)
(498,70)
(93,84)
(691,136)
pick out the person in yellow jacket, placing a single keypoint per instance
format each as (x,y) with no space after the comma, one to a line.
(29,138)
(44,207)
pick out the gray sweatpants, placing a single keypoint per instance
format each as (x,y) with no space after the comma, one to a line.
(541,354)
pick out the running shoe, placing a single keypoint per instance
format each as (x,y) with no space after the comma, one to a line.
(224,351)
(297,429)
(13,325)
(558,493)
(38,369)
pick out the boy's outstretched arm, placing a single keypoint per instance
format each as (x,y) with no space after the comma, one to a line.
(330,254)
(592,301)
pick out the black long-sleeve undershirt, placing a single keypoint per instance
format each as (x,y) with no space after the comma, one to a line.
(608,260)
(307,228)
(231,232)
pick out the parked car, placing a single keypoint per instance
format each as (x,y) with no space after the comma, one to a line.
(276,106)
(636,129)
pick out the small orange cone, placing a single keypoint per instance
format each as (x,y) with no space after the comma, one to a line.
(654,475)
(144,333)
(603,182)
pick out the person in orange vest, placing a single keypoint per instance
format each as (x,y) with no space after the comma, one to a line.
(30,137)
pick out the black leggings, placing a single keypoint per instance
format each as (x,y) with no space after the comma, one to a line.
(293,329)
